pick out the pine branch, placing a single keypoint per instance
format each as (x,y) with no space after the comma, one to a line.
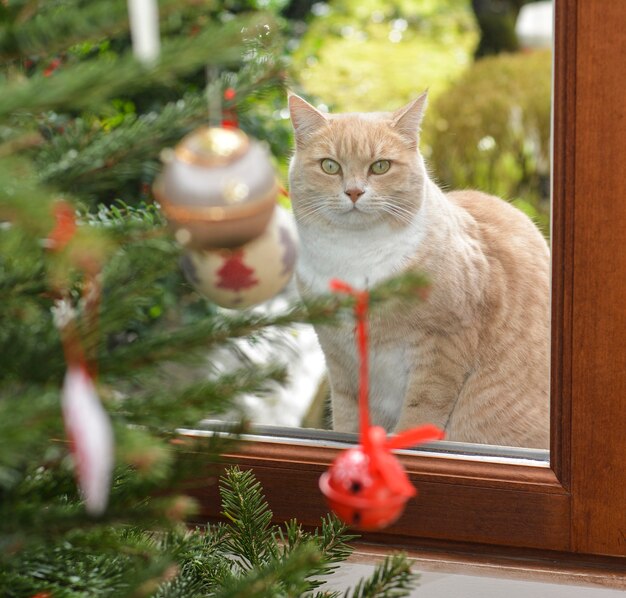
(168,408)
(197,550)
(391,579)
(280,578)
(42,502)
(24,201)
(205,334)
(201,336)
(201,562)
(245,507)
(101,561)
(181,586)
(262,550)
(104,557)
(14,142)
(58,26)
(331,542)
(93,161)
(332,539)
(126,225)
(26,425)
(27,335)
(88,84)
(211,564)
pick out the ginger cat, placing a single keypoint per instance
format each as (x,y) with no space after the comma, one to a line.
(474,357)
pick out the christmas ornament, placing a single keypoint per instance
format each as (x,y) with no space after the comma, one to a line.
(87,424)
(366,486)
(218,188)
(91,438)
(249,274)
(143,16)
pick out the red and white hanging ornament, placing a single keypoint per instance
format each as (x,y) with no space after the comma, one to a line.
(218,190)
(366,486)
(89,431)
(143,16)
(87,424)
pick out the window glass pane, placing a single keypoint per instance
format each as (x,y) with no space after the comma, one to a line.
(473,356)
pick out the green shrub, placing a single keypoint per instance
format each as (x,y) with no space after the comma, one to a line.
(491,131)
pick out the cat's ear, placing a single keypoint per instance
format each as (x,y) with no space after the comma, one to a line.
(305,118)
(407,120)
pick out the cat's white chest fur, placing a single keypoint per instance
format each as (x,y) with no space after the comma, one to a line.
(389,371)
(362,259)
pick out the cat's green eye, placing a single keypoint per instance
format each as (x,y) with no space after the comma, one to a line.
(380,166)
(330,166)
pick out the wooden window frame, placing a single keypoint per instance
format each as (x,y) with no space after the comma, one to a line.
(575,509)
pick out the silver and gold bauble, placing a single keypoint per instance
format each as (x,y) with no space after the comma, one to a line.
(249,274)
(218,188)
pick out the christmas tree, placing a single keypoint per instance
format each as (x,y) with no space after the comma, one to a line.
(95,311)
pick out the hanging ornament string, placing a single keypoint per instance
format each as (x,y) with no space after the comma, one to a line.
(58,239)
(361,307)
(229,116)
(87,424)
(213,95)
(367,486)
(404,439)
(221,105)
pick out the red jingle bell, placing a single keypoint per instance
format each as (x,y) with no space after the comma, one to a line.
(358,494)
(366,486)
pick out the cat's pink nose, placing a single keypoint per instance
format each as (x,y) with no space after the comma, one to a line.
(354,194)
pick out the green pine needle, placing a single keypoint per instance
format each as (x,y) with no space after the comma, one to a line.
(250,517)
(393,578)
(279,578)
(162,406)
(57,26)
(96,160)
(87,84)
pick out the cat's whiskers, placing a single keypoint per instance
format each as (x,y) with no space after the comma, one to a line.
(399,212)
(308,210)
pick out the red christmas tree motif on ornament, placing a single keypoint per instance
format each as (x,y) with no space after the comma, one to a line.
(234,275)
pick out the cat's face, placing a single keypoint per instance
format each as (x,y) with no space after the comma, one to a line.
(356,170)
